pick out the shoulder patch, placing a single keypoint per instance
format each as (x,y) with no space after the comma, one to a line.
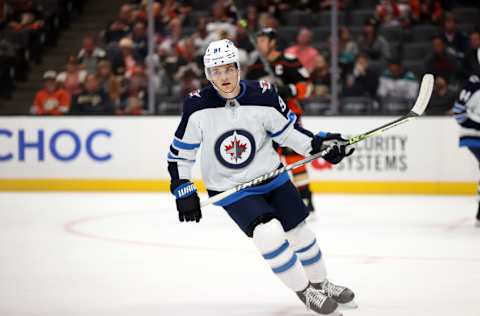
(195,93)
(265,85)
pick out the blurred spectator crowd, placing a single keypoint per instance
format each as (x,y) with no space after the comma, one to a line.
(27,27)
(384,47)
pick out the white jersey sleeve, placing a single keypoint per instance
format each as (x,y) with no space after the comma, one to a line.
(282,126)
(186,142)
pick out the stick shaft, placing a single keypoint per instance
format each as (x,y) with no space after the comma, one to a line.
(418,109)
(276,172)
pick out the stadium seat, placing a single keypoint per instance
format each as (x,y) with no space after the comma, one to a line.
(356,105)
(299,18)
(191,19)
(394,34)
(287,34)
(467,28)
(377,66)
(169,106)
(366,4)
(395,106)
(187,31)
(358,17)
(416,51)
(467,15)
(324,19)
(416,66)
(422,33)
(320,34)
(355,32)
(316,105)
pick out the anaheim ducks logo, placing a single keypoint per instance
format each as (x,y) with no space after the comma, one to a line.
(235,149)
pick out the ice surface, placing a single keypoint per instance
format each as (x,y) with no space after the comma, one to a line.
(126,254)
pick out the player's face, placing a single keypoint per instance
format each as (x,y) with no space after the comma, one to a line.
(225,77)
(264,45)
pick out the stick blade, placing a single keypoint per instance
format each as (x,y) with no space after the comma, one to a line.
(426,89)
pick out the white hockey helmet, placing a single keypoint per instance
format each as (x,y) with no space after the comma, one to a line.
(218,53)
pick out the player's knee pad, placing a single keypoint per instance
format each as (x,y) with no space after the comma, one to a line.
(272,243)
(304,243)
(300,236)
(267,235)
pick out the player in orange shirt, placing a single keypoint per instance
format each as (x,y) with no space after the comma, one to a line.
(51,100)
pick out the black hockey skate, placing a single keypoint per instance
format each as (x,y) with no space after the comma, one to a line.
(340,294)
(317,301)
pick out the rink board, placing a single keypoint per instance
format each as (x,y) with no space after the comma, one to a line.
(129,154)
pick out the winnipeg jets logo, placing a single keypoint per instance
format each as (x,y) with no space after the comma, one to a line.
(265,85)
(195,93)
(235,149)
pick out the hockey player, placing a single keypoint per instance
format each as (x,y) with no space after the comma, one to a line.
(292,82)
(467,113)
(235,123)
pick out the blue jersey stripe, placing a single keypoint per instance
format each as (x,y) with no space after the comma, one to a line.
(276,252)
(470,141)
(291,118)
(257,190)
(182,145)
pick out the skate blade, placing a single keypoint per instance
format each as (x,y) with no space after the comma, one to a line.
(349,305)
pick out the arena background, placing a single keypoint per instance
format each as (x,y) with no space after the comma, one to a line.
(88,225)
(146,61)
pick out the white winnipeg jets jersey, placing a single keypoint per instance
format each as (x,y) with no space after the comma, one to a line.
(235,137)
(467,113)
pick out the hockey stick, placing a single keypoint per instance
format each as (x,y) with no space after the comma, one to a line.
(418,109)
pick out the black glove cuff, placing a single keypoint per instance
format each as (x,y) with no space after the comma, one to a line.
(175,183)
(316,143)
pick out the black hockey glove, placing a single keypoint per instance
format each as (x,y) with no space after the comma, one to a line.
(338,143)
(188,203)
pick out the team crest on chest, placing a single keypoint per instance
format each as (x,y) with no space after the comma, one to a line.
(235,149)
